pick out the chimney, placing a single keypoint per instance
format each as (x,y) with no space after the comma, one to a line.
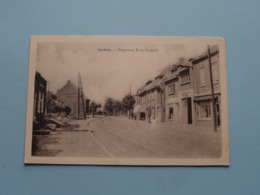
(183,61)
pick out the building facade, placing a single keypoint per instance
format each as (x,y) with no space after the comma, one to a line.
(40,89)
(207,86)
(150,100)
(179,93)
(172,107)
(186,93)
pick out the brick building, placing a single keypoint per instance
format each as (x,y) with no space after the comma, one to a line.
(68,95)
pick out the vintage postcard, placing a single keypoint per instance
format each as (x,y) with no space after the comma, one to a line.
(127,100)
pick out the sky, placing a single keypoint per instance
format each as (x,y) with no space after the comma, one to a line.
(108,69)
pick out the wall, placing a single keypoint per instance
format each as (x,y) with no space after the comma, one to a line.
(206,89)
(237,21)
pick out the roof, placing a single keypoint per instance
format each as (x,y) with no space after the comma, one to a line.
(181,66)
(68,88)
(169,75)
(151,84)
(156,82)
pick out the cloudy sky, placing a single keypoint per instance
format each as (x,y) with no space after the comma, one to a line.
(107,73)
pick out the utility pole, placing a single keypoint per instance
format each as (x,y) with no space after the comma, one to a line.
(80,99)
(47,98)
(212,91)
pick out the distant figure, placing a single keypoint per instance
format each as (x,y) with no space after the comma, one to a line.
(131,115)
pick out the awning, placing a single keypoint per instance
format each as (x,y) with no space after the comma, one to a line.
(205,97)
(139,108)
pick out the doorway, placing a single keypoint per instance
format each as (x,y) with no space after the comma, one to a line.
(218,114)
(189,110)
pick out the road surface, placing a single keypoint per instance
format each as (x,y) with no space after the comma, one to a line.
(120,137)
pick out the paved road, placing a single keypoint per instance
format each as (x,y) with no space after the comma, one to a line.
(120,137)
(113,136)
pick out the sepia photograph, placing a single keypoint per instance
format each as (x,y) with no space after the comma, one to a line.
(127,100)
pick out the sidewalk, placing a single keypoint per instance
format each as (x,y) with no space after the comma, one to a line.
(82,124)
(186,127)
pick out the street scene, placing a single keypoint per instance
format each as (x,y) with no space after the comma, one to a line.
(120,100)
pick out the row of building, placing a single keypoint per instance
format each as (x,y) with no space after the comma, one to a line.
(185,93)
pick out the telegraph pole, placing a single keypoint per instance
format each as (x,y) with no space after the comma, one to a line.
(47,98)
(212,91)
(78,101)
(81,99)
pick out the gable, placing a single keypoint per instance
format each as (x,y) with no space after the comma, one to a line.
(68,89)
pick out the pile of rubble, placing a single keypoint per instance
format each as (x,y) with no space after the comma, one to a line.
(52,122)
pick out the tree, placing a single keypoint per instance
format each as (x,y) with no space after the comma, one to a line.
(117,107)
(67,110)
(98,105)
(128,103)
(52,103)
(93,105)
(109,105)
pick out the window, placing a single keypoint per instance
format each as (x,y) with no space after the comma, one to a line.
(158,110)
(202,76)
(170,116)
(171,89)
(39,102)
(215,73)
(40,108)
(42,103)
(174,70)
(204,110)
(185,76)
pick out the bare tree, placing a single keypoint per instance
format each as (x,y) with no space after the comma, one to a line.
(109,105)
